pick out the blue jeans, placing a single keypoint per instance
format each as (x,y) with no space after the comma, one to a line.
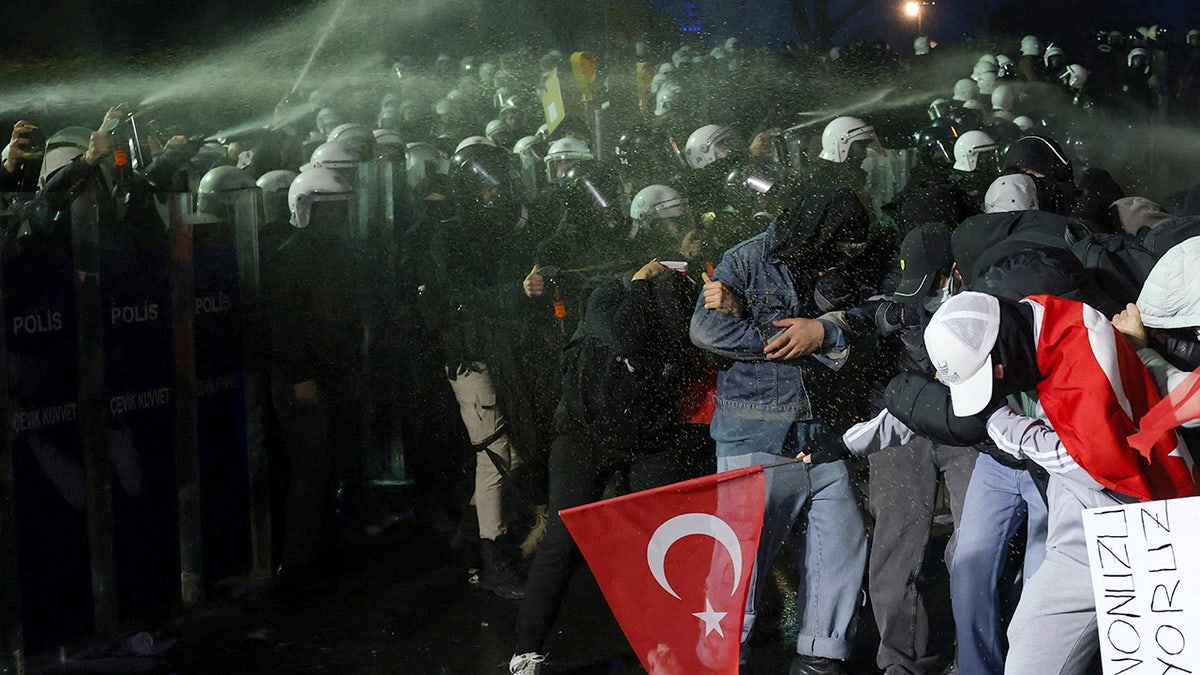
(998,500)
(833,557)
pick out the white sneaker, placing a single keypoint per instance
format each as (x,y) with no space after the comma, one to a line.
(526,664)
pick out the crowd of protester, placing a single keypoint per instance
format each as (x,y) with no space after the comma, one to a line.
(682,275)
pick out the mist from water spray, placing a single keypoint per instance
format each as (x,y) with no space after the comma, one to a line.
(345,47)
(346,42)
(317,48)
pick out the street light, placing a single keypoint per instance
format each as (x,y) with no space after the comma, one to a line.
(915,9)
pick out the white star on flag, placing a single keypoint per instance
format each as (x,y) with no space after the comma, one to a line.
(1185,456)
(711,619)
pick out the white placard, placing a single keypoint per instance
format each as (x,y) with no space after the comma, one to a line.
(1145,560)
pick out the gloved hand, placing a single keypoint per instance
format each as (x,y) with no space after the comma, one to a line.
(825,447)
(891,316)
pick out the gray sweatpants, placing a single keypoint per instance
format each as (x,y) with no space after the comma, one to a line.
(1053,631)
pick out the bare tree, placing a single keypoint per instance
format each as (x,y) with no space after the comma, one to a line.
(817,21)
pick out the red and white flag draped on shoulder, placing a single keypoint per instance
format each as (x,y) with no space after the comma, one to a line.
(1096,392)
(674,564)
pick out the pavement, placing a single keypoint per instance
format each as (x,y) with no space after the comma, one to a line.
(403,604)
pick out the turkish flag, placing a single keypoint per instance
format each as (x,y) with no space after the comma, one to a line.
(674,564)
(1181,405)
(1094,390)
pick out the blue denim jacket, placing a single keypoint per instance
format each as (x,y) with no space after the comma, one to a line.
(753,387)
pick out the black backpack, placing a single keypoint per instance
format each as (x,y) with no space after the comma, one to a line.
(1168,233)
(601,391)
(1119,263)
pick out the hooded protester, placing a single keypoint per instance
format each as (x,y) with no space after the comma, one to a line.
(756,313)
(627,374)
(1170,305)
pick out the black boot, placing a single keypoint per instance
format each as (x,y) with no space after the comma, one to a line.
(498,574)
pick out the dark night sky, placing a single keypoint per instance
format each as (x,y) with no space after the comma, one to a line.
(73,27)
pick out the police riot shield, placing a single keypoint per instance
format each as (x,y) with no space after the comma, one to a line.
(187,461)
(249,221)
(11,642)
(383,209)
(59,493)
(229,384)
(140,342)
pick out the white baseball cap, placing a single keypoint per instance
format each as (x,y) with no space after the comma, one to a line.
(959,339)
(1014,192)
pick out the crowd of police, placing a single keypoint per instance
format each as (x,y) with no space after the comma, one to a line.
(670,275)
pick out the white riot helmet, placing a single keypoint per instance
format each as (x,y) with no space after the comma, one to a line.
(1024,122)
(987,84)
(708,144)
(423,160)
(473,140)
(1139,53)
(391,101)
(661,77)
(358,137)
(664,102)
(526,145)
(387,137)
(487,72)
(1005,67)
(682,56)
(984,67)
(655,202)
(530,150)
(1053,52)
(56,159)
(493,127)
(220,188)
(1030,46)
(274,186)
(389,145)
(969,147)
(1003,97)
(316,185)
(327,120)
(840,134)
(1075,76)
(921,45)
(562,155)
(349,131)
(332,155)
(966,90)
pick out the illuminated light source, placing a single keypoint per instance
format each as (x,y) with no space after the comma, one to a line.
(912,9)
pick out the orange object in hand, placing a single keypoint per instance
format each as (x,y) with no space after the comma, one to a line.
(560,307)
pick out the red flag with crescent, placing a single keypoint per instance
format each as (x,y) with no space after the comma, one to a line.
(674,564)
